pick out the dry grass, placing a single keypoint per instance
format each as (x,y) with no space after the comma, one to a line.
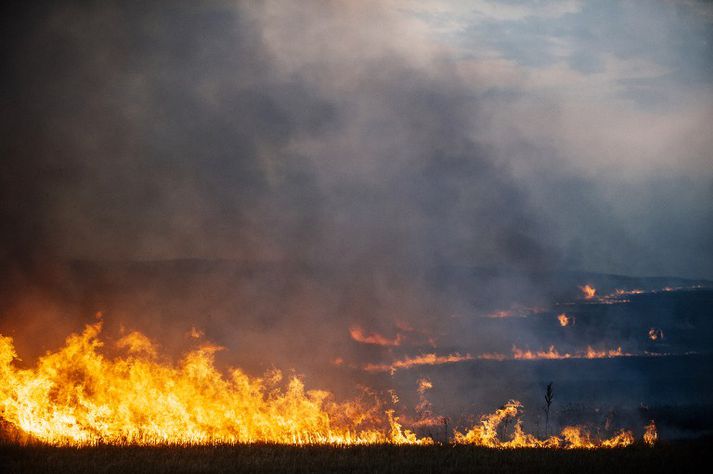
(680,457)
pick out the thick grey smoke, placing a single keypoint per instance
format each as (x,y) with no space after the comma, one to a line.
(195,131)
(176,132)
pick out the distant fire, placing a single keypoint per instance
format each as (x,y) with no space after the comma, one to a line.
(620,296)
(517,354)
(655,334)
(376,339)
(553,353)
(563,319)
(423,359)
(588,291)
(635,291)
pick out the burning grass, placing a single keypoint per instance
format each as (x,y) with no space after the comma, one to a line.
(77,396)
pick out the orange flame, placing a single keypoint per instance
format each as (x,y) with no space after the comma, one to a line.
(594,354)
(423,385)
(651,436)
(588,291)
(563,319)
(374,338)
(423,359)
(635,291)
(485,433)
(79,396)
(553,353)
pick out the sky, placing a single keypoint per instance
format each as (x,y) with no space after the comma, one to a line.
(551,135)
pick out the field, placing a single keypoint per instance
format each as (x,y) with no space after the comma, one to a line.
(685,456)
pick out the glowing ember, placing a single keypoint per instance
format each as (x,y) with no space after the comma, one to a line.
(635,291)
(563,319)
(655,334)
(588,291)
(620,296)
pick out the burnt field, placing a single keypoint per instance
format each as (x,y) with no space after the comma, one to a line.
(682,456)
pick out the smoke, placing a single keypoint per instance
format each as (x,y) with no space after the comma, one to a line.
(218,131)
(276,174)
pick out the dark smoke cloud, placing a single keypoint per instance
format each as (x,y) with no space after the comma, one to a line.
(148,132)
(152,132)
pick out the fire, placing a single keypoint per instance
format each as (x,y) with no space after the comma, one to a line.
(620,296)
(594,354)
(423,359)
(635,291)
(650,434)
(373,338)
(424,409)
(550,353)
(486,434)
(79,396)
(423,385)
(655,334)
(553,353)
(588,291)
(563,319)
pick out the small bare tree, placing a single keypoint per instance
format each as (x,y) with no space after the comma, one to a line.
(548,402)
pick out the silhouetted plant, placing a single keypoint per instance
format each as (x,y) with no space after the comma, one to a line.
(548,402)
